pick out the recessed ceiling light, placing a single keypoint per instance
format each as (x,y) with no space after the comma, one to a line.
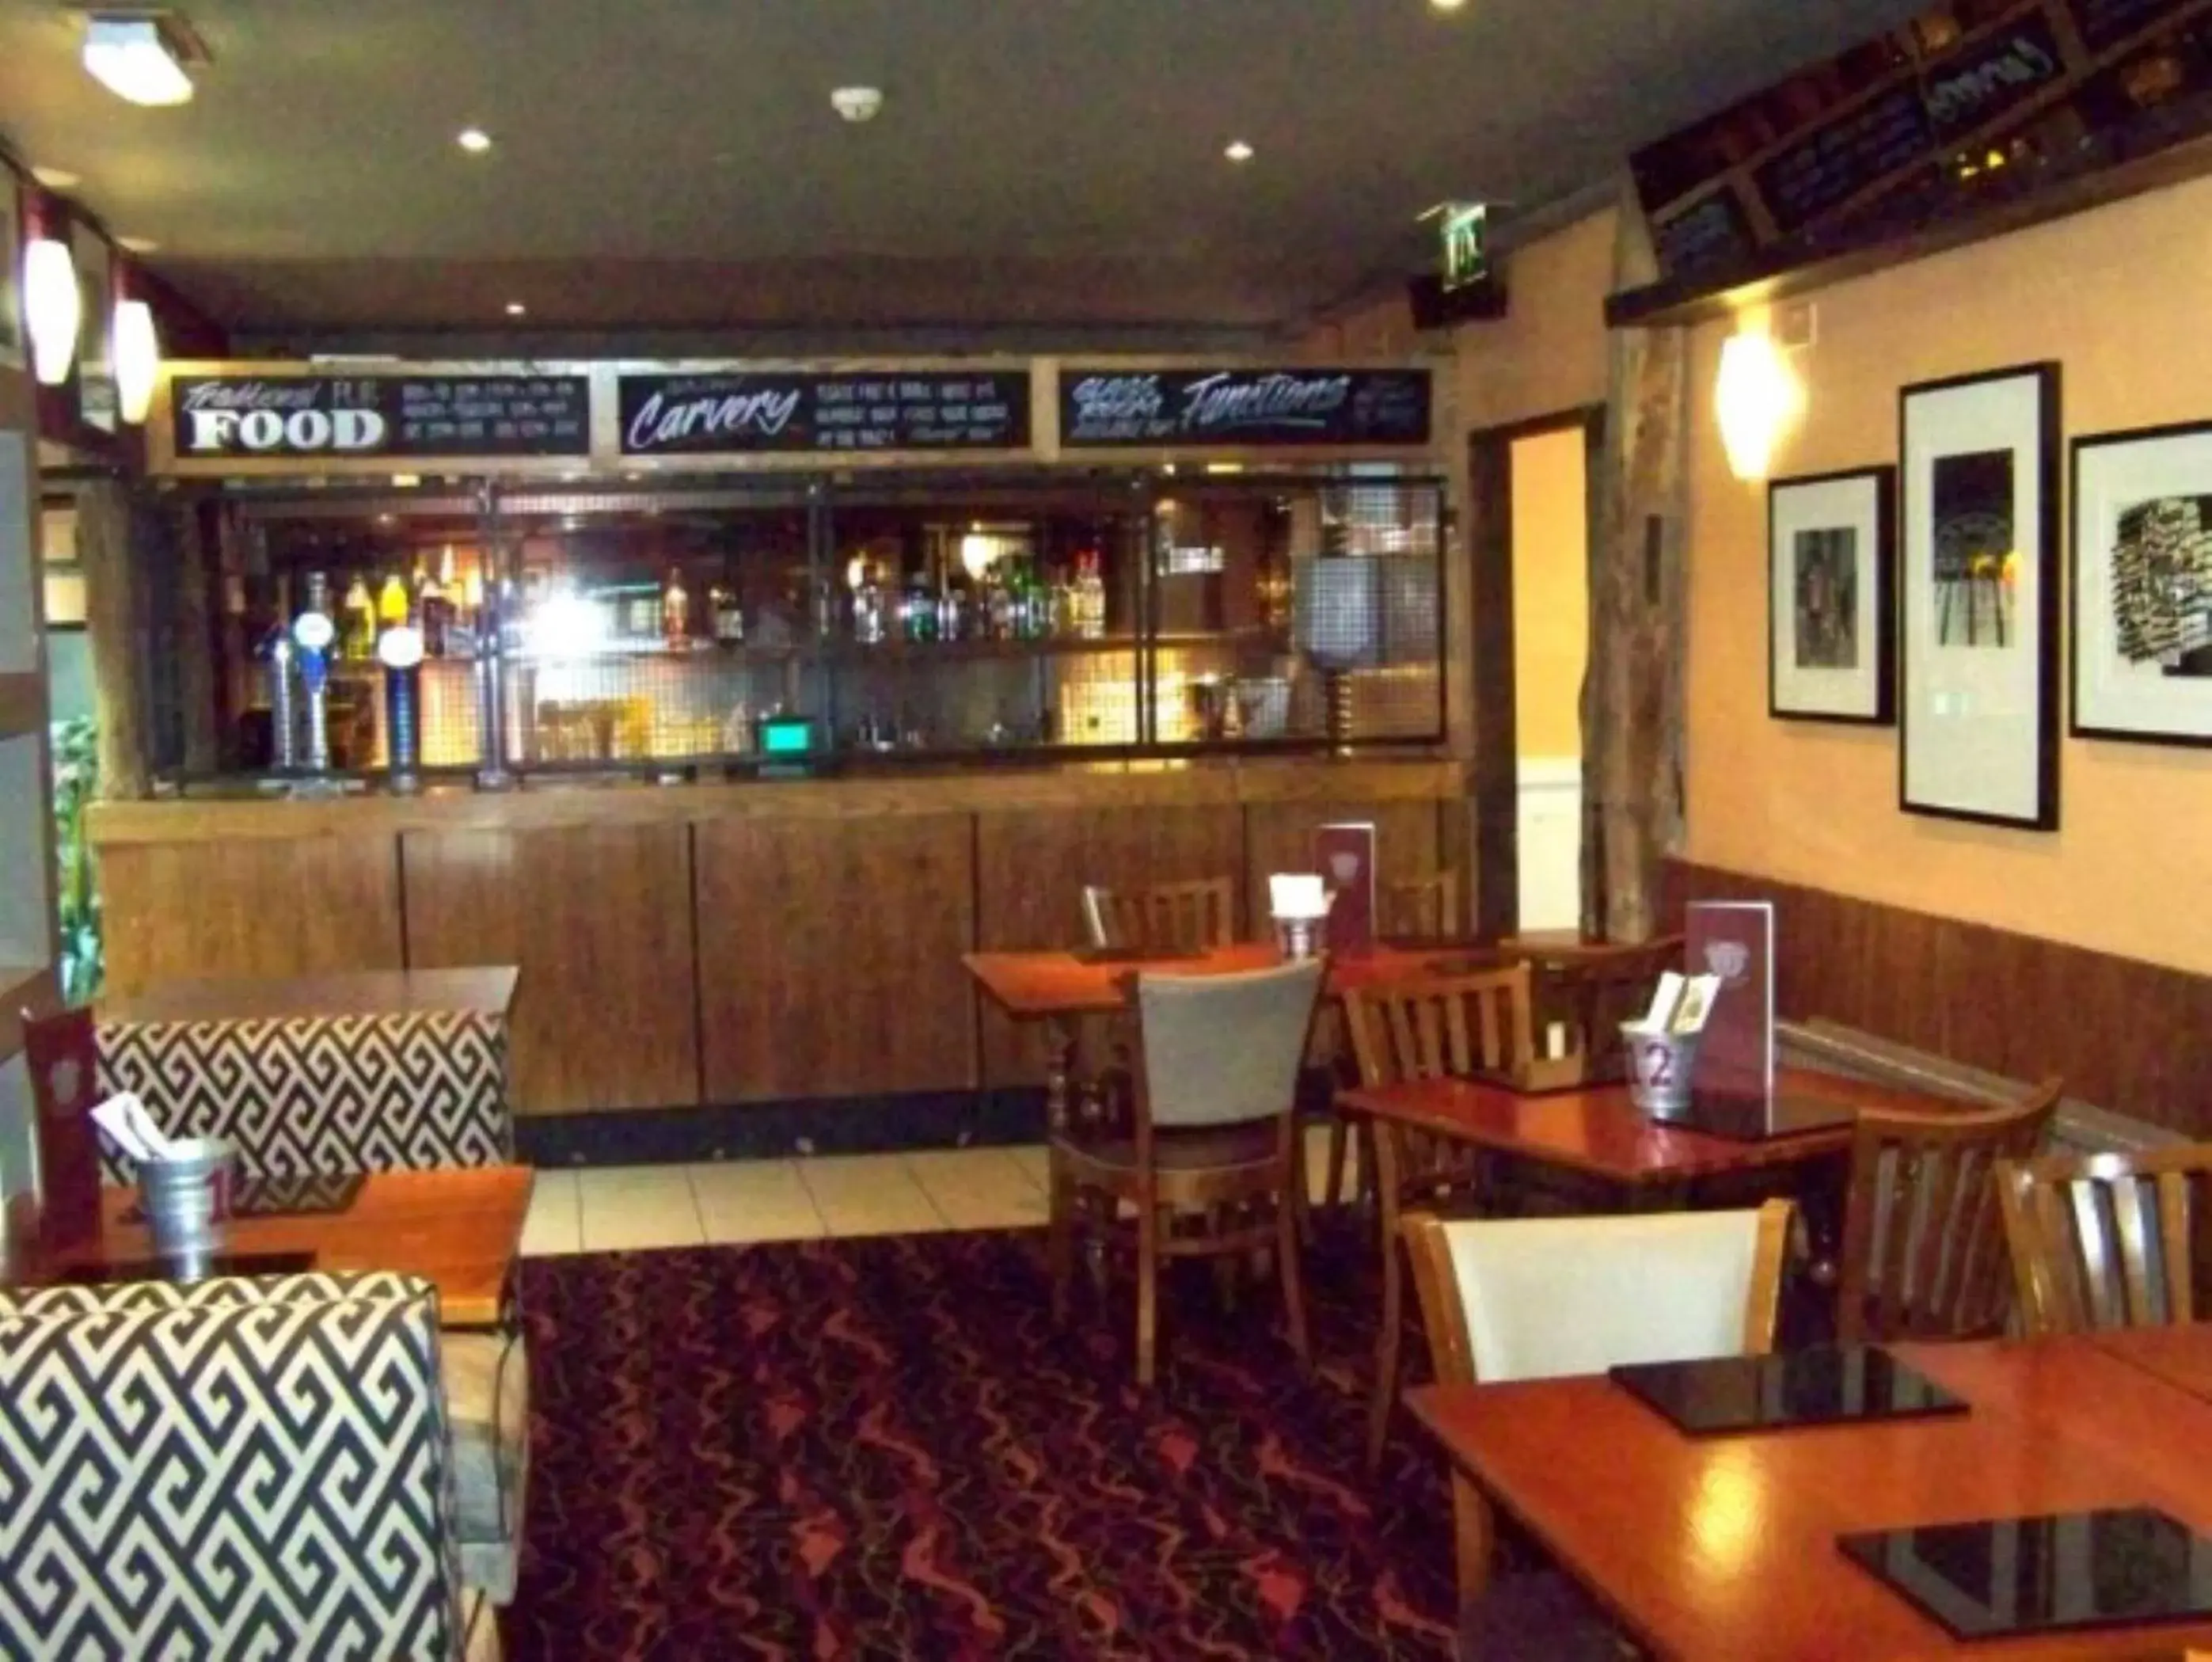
(136,58)
(136,245)
(57,179)
(1447,5)
(1238,150)
(475,140)
(515,309)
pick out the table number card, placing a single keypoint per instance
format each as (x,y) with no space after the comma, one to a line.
(1345,857)
(1734,941)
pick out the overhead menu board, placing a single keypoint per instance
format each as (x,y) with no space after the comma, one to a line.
(1227,408)
(250,416)
(1907,128)
(738,411)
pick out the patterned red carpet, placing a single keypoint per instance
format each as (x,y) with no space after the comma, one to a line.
(881,1448)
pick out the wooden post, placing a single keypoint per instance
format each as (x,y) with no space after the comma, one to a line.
(1632,694)
(113,627)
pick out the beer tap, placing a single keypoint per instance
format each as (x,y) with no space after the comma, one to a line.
(401,652)
(283,713)
(312,633)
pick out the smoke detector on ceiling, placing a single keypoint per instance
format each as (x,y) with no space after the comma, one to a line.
(857,103)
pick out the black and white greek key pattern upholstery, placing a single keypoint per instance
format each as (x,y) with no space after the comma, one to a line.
(267,1479)
(217,1293)
(321,1093)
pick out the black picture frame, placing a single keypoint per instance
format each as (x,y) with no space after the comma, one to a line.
(1876,517)
(2148,454)
(1963,420)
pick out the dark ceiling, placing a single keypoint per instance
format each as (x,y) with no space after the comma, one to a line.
(1043,164)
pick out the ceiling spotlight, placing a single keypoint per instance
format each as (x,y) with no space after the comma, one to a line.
(475,140)
(515,309)
(138,245)
(1446,5)
(140,57)
(1238,150)
(57,179)
(857,103)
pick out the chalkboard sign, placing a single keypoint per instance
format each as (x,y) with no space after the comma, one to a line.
(677,415)
(1103,409)
(1822,172)
(251,416)
(1710,232)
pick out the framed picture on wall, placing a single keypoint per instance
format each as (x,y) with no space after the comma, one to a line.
(1978,586)
(2142,585)
(12,354)
(1831,624)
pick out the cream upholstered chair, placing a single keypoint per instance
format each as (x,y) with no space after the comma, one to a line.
(1538,1298)
(1211,1167)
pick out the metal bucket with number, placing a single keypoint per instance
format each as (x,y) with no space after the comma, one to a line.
(182,1196)
(1660,1067)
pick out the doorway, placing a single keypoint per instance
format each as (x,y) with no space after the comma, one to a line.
(1530,518)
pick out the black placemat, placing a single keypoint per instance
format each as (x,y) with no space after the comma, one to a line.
(1825,1385)
(2014,1577)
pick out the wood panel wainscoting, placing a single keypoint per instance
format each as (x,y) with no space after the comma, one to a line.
(2130,1037)
(598,920)
(199,910)
(731,946)
(821,956)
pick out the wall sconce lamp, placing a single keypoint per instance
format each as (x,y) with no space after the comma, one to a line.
(137,360)
(53,307)
(1757,396)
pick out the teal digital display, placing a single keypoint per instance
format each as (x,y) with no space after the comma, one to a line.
(786,737)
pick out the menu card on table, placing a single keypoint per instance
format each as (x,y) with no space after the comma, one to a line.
(63,1057)
(1346,856)
(1733,942)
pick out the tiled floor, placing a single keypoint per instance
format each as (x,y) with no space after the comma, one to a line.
(634,1208)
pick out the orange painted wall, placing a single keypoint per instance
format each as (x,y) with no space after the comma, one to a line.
(1551,594)
(2118,297)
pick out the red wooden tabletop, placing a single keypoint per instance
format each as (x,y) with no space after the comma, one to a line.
(1725,1546)
(2181,1356)
(1033,985)
(1600,1131)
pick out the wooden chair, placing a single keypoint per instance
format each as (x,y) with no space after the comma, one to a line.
(1430,1027)
(1166,918)
(1423,907)
(1543,1297)
(1214,1137)
(1923,1254)
(2104,1240)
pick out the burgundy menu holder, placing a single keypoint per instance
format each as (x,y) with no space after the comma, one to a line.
(64,1053)
(1345,856)
(1735,940)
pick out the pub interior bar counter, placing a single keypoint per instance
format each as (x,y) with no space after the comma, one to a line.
(735,703)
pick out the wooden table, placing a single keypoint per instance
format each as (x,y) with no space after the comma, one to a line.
(486,991)
(458,1228)
(1725,1546)
(2180,1355)
(1058,989)
(1600,1132)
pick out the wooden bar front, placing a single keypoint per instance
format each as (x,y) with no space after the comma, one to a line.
(730,944)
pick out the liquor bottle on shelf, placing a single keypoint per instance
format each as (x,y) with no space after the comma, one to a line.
(436,612)
(359,635)
(952,619)
(918,611)
(1066,620)
(868,611)
(393,609)
(675,612)
(1093,586)
(729,617)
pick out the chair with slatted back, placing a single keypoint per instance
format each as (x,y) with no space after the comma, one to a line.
(1426,1028)
(1165,917)
(1589,991)
(2104,1240)
(1923,1253)
(1425,908)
